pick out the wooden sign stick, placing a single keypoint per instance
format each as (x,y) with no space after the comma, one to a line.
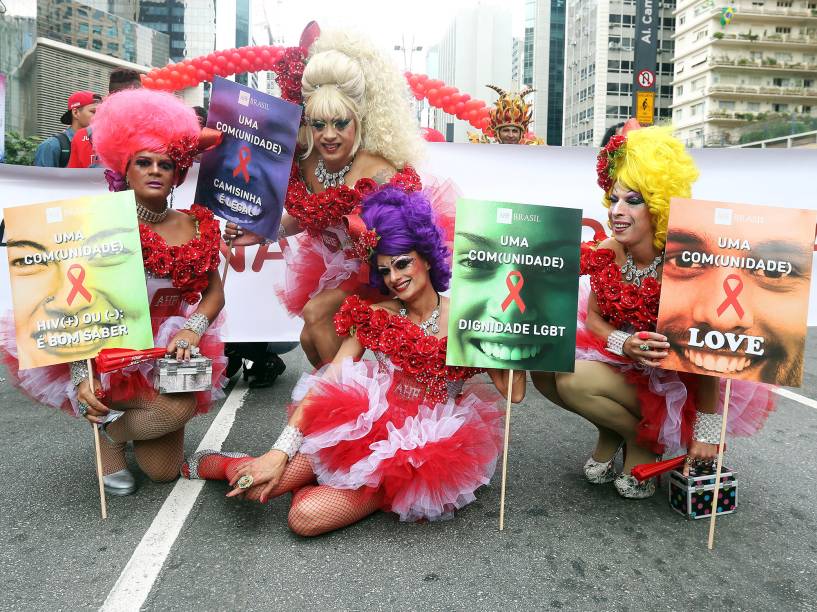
(717,488)
(229,255)
(103,503)
(505,452)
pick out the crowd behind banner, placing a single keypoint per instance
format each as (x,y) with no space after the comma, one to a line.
(556,176)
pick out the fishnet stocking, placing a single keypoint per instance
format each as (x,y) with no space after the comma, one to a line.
(320,509)
(156,426)
(315,509)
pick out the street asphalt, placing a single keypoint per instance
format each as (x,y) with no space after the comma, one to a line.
(567,545)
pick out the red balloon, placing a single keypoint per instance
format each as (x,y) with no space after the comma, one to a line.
(147,82)
(418,96)
(244,65)
(231,68)
(423,77)
(160,83)
(432,93)
(235,58)
(207,65)
(459,107)
(432,135)
(265,54)
(221,60)
(201,75)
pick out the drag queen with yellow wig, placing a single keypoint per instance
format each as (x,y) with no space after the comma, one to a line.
(618,384)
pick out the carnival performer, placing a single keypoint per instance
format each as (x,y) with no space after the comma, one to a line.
(510,118)
(147,140)
(618,384)
(358,134)
(400,432)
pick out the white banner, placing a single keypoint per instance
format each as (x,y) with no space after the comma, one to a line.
(555,176)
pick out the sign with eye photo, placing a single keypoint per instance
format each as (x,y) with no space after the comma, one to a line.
(514,286)
(735,290)
(77,278)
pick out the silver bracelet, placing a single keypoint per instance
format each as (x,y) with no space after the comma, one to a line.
(707,428)
(282,232)
(79,372)
(289,441)
(615,342)
(197,323)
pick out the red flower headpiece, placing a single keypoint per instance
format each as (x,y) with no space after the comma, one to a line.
(607,159)
(365,244)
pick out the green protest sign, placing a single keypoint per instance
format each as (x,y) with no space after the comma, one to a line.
(514,287)
(77,278)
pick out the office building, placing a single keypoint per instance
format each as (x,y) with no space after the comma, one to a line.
(751,79)
(599,54)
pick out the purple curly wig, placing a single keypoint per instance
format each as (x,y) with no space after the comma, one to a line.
(405,222)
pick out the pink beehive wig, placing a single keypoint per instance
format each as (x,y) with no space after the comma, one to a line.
(137,120)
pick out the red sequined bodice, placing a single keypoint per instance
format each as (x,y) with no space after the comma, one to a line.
(186,265)
(620,303)
(404,342)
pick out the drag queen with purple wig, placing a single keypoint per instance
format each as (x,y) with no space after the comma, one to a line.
(401,432)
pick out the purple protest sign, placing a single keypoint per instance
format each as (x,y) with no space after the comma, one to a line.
(245,178)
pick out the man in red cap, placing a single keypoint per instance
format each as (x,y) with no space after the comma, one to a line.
(55,150)
(82,148)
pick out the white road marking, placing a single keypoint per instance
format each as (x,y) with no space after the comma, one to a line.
(806,401)
(136,580)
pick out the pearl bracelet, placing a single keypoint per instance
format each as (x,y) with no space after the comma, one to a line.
(289,441)
(197,323)
(616,340)
(707,428)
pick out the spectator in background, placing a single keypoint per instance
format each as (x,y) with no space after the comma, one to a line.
(55,151)
(611,131)
(201,114)
(82,151)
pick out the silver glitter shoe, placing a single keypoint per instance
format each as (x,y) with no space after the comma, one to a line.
(601,472)
(190,468)
(628,486)
(119,483)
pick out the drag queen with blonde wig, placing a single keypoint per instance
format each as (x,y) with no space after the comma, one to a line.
(357,136)
(618,384)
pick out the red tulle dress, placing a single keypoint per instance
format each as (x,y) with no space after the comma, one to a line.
(325,256)
(666,398)
(176,276)
(404,423)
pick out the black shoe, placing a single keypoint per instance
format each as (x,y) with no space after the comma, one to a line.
(265,373)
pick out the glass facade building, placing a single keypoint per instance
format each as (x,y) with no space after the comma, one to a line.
(86,27)
(190,24)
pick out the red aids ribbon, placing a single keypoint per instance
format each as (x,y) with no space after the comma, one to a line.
(76,283)
(513,291)
(732,294)
(244,157)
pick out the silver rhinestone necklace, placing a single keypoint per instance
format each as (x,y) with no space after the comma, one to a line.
(634,275)
(331,179)
(429,326)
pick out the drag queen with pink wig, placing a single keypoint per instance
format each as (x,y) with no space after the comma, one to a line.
(401,432)
(147,140)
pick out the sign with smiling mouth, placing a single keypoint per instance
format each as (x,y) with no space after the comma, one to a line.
(735,290)
(77,279)
(514,286)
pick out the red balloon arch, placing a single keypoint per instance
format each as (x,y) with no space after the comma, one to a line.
(225,63)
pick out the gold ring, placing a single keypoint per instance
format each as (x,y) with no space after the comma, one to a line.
(245,482)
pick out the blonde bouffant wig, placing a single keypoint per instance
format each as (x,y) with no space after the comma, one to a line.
(656,165)
(346,76)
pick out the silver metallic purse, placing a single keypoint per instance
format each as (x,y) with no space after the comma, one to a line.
(174,376)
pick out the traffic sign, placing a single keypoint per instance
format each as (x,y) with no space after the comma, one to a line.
(645,107)
(646,78)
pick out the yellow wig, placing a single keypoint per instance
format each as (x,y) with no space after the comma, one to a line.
(656,165)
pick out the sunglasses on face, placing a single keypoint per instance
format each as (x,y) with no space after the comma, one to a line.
(398,263)
(338,124)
